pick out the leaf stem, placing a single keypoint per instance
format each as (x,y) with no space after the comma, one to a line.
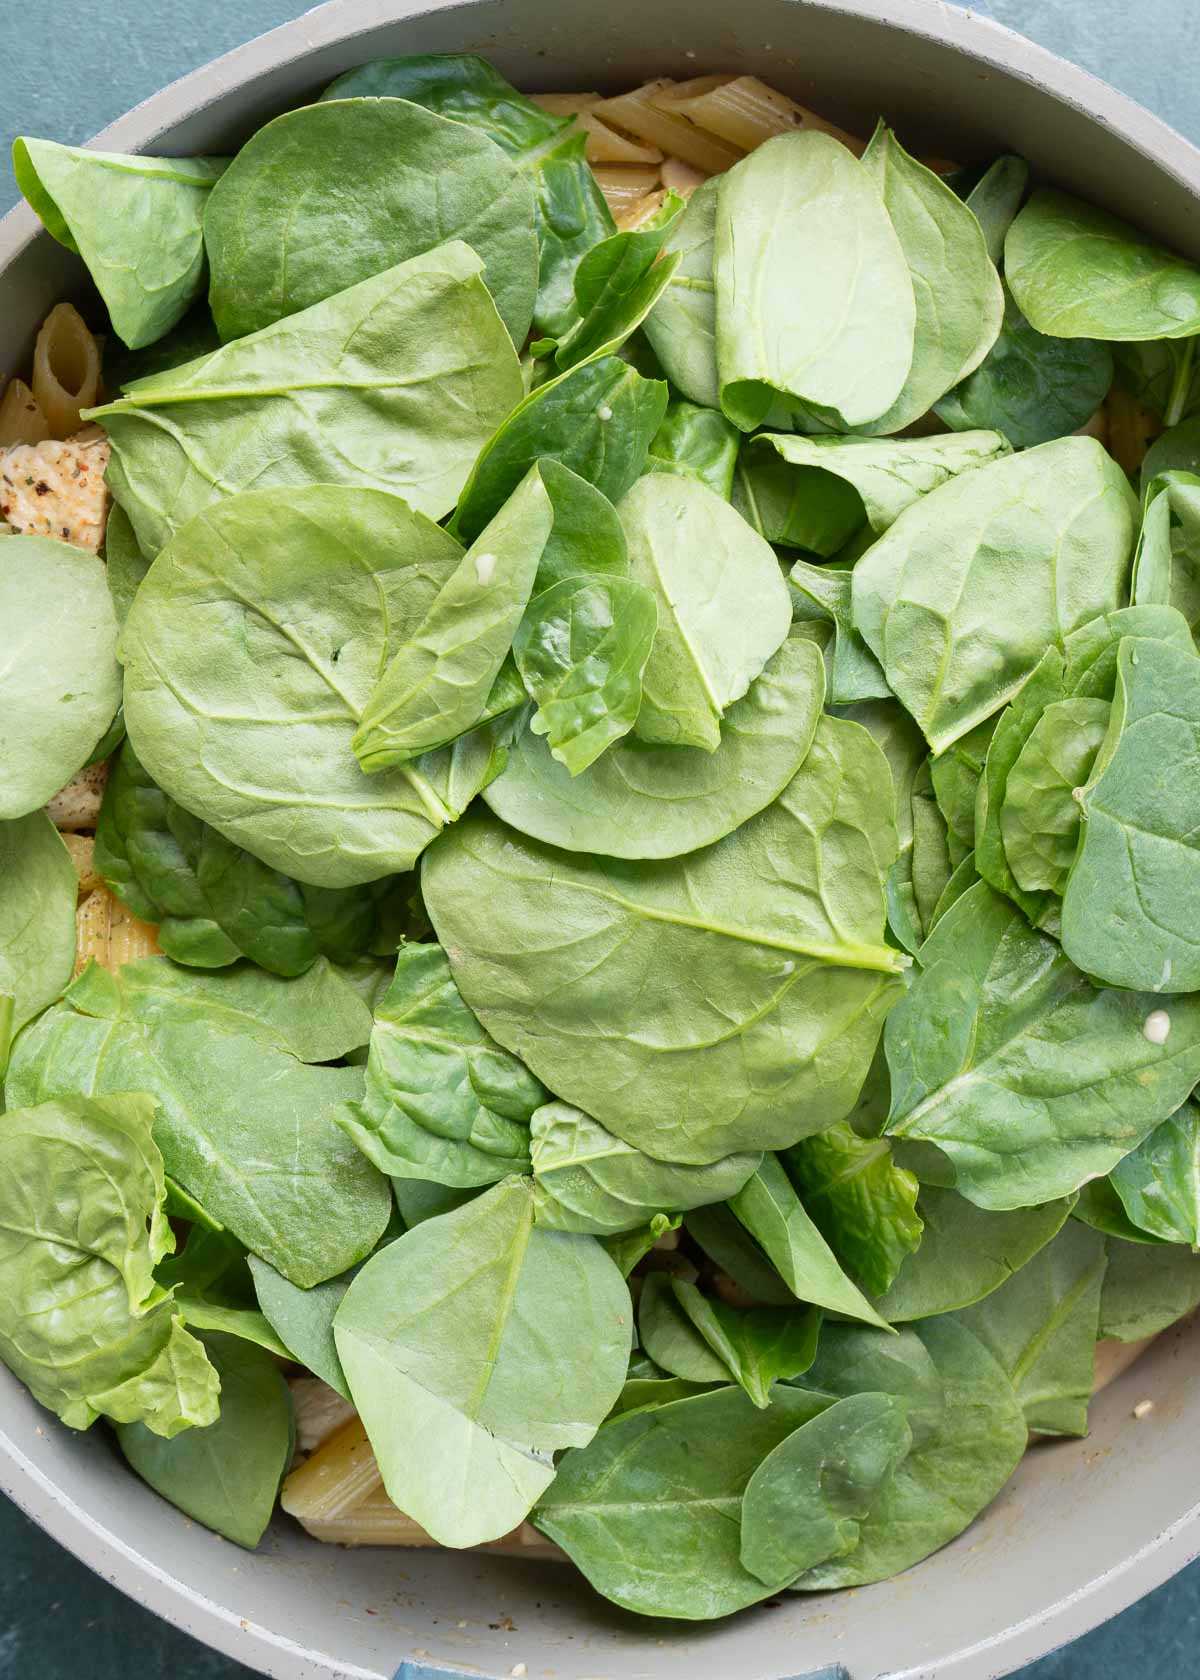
(1177,401)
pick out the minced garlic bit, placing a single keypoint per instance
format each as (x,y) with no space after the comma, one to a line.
(1156,1026)
(57,489)
(1143,1408)
(485,567)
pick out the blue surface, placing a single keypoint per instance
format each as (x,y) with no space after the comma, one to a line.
(69,68)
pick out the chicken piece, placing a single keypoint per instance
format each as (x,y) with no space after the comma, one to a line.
(57,489)
(78,804)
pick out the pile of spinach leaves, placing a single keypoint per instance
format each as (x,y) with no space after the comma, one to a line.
(668,780)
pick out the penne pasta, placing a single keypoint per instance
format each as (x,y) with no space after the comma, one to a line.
(626,184)
(66,369)
(21,420)
(77,805)
(604,144)
(643,210)
(680,177)
(744,112)
(335,1480)
(639,113)
(82,849)
(109,934)
(318,1410)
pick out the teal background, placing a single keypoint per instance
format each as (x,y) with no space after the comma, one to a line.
(68,67)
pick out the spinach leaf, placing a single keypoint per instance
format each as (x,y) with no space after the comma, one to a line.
(617,283)
(626,1248)
(814,302)
(243,1123)
(775,935)
(688,1333)
(643,1394)
(1030,386)
(903,746)
(642,800)
(82,1322)
(769,1208)
(124,563)
(723,607)
(1099,1206)
(303,1318)
(853,670)
(570,212)
(475,1347)
(419,1199)
(328,195)
(1167,564)
(1128,908)
(1147,1288)
(862,1203)
(696,443)
(581,650)
(585,1179)
(257,744)
(965,1252)
(650,1512)
(227,1475)
(947,1479)
(1030,1079)
(955,776)
(960,598)
(211,1285)
(995,199)
(435,687)
(795,506)
(135,221)
(1078,272)
(1159,1183)
(213,901)
(1042,1325)
(394,384)
(729,1245)
(959,302)
(443,1101)
(682,326)
(1175,450)
(60,682)
(1040,816)
(852,1359)
(37,921)
(597,419)
(804,1503)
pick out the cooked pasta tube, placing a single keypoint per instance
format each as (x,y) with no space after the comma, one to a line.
(66,369)
(78,804)
(82,848)
(21,420)
(335,1480)
(604,144)
(639,113)
(744,112)
(318,1410)
(643,210)
(624,184)
(680,177)
(109,934)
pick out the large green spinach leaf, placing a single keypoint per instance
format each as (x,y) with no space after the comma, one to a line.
(303,1318)
(395,384)
(38,887)
(82,1225)
(1159,1182)
(773,936)
(1030,1079)
(309,593)
(135,221)
(476,1346)
(60,683)
(825,593)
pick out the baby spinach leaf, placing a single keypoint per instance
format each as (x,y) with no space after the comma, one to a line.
(1040,816)
(135,221)
(723,606)
(585,1179)
(309,592)
(1147,1288)
(1030,1079)
(768,1206)
(995,199)
(965,1252)
(814,301)
(1099,1206)
(476,1346)
(955,777)
(419,1199)
(960,598)
(60,682)
(1078,272)
(853,670)
(303,1318)
(38,887)
(435,687)
(211,1285)
(729,1245)
(959,303)
(794,506)
(597,420)
(682,326)
(696,443)
(626,1248)
(776,934)
(947,1479)
(1042,1325)
(1029,386)
(1128,909)
(443,1101)
(243,1122)
(903,746)
(1175,450)
(581,650)
(852,1359)
(643,1394)
(650,1512)
(804,1503)
(673,1341)
(82,1322)
(862,1203)
(641,800)
(227,1475)
(394,384)
(124,563)
(704,1340)
(617,284)
(214,902)
(1159,1183)
(328,195)
(570,212)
